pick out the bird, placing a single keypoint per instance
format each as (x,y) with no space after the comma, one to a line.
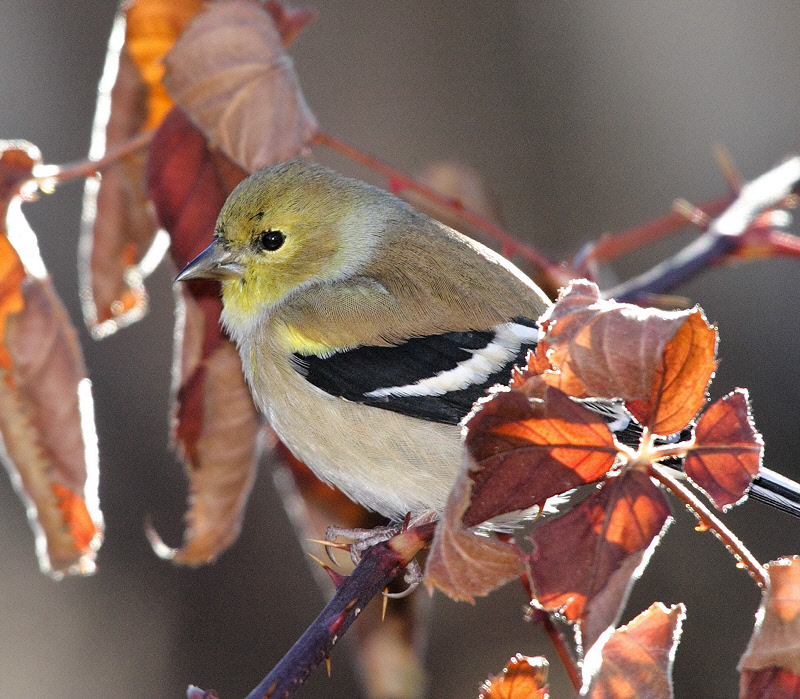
(368,330)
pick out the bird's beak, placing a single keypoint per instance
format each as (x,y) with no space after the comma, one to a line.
(213,263)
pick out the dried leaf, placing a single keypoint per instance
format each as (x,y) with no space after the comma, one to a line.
(769,683)
(152,26)
(585,561)
(463,564)
(776,638)
(47,426)
(727,452)
(636,660)
(523,677)
(118,225)
(527,451)
(682,378)
(216,429)
(230,72)
(605,349)
(289,21)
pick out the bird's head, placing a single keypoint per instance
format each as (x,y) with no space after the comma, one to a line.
(286,227)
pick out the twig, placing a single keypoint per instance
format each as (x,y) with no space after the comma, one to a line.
(378,567)
(87,168)
(708,520)
(545,618)
(613,245)
(510,245)
(733,231)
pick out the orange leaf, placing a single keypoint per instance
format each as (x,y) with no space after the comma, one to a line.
(463,564)
(682,378)
(727,451)
(636,660)
(152,26)
(527,451)
(776,638)
(584,560)
(48,431)
(605,349)
(523,677)
(12,274)
(231,75)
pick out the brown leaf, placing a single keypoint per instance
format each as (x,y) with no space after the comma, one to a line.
(216,430)
(289,21)
(463,564)
(523,677)
(527,451)
(727,452)
(230,73)
(17,160)
(682,378)
(776,638)
(605,349)
(636,660)
(118,225)
(769,683)
(48,431)
(584,561)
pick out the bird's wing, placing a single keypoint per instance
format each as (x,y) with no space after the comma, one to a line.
(436,377)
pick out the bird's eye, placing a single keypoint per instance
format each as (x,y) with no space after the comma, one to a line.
(270,240)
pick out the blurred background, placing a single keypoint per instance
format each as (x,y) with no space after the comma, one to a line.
(581,117)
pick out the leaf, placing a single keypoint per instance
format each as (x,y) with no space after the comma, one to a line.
(585,560)
(216,431)
(776,638)
(523,677)
(49,444)
(152,26)
(528,451)
(636,660)
(681,382)
(48,433)
(118,226)
(463,564)
(605,349)
(231,75)
(727,452)
(769,683)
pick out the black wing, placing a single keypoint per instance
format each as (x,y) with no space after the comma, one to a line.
(437,378)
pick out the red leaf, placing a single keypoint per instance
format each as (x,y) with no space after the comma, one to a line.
(583,562)
(769,683)
(528,451)
(523,677)
(463,564)
(682,377)
(636,660)
(727,451)
(289,21)
(776,638)
(605,349)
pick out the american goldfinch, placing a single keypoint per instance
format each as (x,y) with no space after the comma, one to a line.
(366,329)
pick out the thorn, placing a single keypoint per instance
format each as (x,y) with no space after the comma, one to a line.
(729,171)
(328,665)
(385,605)
(336,577)
(329,546)
(406,521)
(691,213)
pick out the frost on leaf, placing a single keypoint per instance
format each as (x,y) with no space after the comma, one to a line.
(771,664)
(636,659)
(523,677)
(230,73)
(727,451)
(584,561)
(49,444)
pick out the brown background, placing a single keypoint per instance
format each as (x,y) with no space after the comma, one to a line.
(583,117)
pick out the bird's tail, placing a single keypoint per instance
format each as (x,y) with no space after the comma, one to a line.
(779,491)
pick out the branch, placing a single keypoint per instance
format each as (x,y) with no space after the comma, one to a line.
(378,567)
(738,231)
(708,520)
